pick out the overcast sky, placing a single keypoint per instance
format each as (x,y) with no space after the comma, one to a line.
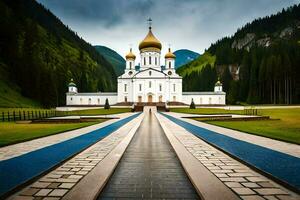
(185,24)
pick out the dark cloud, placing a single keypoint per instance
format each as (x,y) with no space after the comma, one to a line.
(191,24)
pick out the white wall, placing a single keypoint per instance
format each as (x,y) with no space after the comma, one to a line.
(204,99)
(90,98)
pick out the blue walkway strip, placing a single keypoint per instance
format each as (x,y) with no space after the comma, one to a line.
(18,170)
(279,165)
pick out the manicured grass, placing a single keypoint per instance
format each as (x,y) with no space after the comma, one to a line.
(206,111)
(286,128)
(11,132)
(100,111)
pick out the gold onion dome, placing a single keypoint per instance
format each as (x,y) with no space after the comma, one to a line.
(170,54)
(218,83)
(150,41)
(130,55)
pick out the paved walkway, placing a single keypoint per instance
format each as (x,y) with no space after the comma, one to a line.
(32,145)
(284,147)
(279,165)
(242,180)
(149,168)
(18,170)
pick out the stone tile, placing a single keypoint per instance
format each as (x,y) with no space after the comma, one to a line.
(29,191)
(43,192)
(58,192)
(40,185)
(221,171)
(220,175)
(82,173)
(251,185)
(53,185)
(75,176)
(266,184)
(286,197)
(67,185)
(270,191)
(233,179)
(233,184)
(51,198)
(240,174)
(256,179)
(67,180)
(270,197)
(243,191)
(252,197)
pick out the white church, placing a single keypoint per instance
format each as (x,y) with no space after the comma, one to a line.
(151,83)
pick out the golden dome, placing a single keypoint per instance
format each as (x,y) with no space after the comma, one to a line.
(150,41)
(130,55)
(170,54)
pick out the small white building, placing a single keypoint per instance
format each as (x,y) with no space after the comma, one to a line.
(151,83)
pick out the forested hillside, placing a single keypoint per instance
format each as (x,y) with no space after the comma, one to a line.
(40,55)
(260,63)
(115,59)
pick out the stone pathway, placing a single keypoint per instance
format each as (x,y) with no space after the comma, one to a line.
(60,181)
(25,147)
(284,147)
(242,180)
(149,168)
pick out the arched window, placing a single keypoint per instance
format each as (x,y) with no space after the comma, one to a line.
(140,87)
(174,87)
(149,60)
(144,60)
(130,65)
(150,73)
(125,87)
(150,84)
(90,100)
(125,99)
(155,60)
(160,87)
(98,101)
(71,98)
(169,64)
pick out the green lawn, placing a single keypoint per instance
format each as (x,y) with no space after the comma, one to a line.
(11,132)
(208,111)
(100,111)
(286,128)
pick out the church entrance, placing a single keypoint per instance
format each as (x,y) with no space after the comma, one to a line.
(150,98)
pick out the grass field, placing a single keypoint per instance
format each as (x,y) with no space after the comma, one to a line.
(100,111)
(287,128)
(11,133)
(206,111)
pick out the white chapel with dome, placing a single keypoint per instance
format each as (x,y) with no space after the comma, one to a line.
(153,82)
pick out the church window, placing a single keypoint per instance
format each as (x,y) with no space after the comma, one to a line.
(98,101)
(150,84)
(174,87)
(90,100)
(71,98)
(140,87)
(150,72)
(130,65)
(125,99)
(170,64)
(144,60)
(125,87)
(155,60)
(149,60)
(160,87)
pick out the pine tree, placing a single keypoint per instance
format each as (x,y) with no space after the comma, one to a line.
(192,105)
(106,106)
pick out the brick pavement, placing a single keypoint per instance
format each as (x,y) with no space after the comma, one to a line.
(245,182)
(61,180)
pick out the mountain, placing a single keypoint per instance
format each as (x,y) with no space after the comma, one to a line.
(184,56)
(39,55)
(258,64)
(115,59)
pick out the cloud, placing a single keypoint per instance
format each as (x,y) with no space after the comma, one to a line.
(189,24)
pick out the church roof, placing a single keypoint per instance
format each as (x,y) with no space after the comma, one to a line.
(150,41)
(72,84)
(170,54)
(130,55)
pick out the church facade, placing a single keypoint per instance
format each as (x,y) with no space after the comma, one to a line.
(151,83)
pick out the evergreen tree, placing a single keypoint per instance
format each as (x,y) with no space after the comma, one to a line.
(106,106)
(192,105)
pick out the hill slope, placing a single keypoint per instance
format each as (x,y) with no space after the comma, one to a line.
(115,59)
(184,56)
(258,64)
(42,55)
